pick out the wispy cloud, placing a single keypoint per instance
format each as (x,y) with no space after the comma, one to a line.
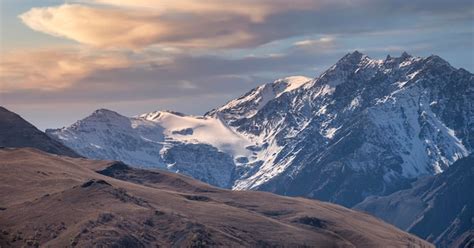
(323,42)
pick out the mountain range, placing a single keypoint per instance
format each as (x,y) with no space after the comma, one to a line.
(364,127)
(390,137)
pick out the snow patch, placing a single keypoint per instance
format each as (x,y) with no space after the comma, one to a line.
(330,132)
(292,83)
(205,130)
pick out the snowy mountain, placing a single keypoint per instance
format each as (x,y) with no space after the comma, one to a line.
(186,144)
(364,127)
(203,147)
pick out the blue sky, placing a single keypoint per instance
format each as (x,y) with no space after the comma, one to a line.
(62,60)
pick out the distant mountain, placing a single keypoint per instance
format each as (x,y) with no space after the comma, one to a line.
(197,146)
(439,208)
(364,127)
(16,132)
(50,201)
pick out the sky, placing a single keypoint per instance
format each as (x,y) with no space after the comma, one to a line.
(61,60)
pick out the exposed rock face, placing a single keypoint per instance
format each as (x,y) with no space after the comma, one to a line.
(438,208)
(201,161)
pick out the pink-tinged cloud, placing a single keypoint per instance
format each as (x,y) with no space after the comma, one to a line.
(179,23)
(209,24)
(53,69)
(257,10)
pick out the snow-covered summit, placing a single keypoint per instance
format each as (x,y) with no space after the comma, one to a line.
(250,103)
(104,115)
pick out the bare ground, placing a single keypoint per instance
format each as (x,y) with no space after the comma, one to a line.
(56,201)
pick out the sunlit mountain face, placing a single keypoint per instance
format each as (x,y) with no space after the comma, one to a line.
(254,123)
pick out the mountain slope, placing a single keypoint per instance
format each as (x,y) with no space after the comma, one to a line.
(364,127)
(17,132)
(60,201)
(439,209)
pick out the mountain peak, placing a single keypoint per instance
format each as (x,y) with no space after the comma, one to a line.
(348,64)
(354,57)
(405,55)
(436,60)
(250,103)
(104,113)
(350,61)
(355,53)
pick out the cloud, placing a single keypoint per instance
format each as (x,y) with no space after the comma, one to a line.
(255,10)
(80,73)
(208,24)
(53,69)
(323,42)
(180,23)
(177,82)
(96,26)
